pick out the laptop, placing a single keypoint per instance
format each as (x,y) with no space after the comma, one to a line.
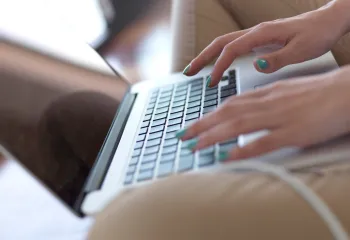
(141,148)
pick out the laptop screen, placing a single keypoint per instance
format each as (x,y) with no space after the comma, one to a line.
(54,116)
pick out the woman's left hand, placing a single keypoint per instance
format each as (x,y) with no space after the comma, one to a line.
(297,112)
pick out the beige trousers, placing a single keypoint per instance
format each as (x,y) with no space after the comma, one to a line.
(227,206)
(201,21)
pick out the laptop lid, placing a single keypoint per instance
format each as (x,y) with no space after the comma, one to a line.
(55,116)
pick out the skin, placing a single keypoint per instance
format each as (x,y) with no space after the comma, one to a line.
(298,112)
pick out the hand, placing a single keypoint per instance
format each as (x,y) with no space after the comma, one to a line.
(300,112)
(304,37)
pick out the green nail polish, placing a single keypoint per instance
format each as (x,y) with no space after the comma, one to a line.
(208,81)
(223,156)
(191,144)
(180,133)
(262,64)
(186,69)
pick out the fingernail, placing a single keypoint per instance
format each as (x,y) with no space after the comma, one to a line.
(186,69)
(180,133)
(223,156)
(191,144)
(262,64)
(208,81)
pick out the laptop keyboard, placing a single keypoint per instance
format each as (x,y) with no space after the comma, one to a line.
(157,152)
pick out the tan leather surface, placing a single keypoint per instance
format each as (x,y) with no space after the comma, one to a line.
(225,206)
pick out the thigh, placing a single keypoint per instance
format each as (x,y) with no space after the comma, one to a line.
(196,23)
(225,206)
(249,13)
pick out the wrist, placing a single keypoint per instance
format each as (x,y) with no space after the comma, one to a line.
(339,10)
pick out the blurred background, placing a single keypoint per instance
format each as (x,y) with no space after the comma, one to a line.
(132,35)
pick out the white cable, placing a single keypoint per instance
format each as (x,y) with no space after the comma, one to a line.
(304,191)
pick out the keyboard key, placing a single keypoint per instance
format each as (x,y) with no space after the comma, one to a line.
(162,110)
(232,73)
(185,152)
(164,100)
(147,166)
(145,175)
(136,153)
(192,116)
(210,92)
(155,135)
(166,94)
(141,138)
(167,88)
(186,163)
(189,122)
(160,116)
(143,130)
(149,158)
(193,110)
(179,98)
(181,88)
(174,121)
(131,169)
(164,104)
(168,157)
(227,146)
(229,92)
(206,160)
(170,135)
(134,161)
(196,88)
(177,109)
(155,93)
(206,151)
(181,93)
(138,145)
(153,100)
(211,97)
(149,111)
(176,115)
(173,128)
(215,87)
(158,122)
(208,109)
(224,78)
(152,143)
(179,103)
(229,86)
(171,142)
(210,103)
(194,104)
(198,81)
(165,169)
(151,150)
(157,129)
(224,99)
(128,179)
(195,93)
(147,117)
(168,150)
(151,106)
(145,124)
(196,98)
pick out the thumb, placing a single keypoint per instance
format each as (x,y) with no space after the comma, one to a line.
(274,61)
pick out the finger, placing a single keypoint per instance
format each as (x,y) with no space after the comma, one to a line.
(232,128)
(290,54)
(211,52)
(273,141)
(241,46)
(223,113)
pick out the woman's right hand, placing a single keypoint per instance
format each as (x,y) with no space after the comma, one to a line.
(303,37)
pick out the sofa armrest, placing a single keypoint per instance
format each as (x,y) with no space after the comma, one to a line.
(195,23)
